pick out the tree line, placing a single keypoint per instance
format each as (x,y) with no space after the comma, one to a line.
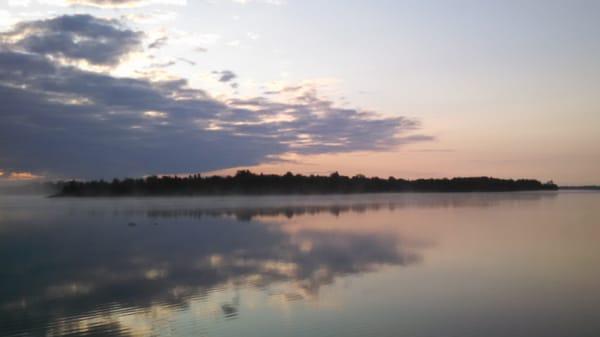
(247,183)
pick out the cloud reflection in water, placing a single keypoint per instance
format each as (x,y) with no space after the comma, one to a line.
(92,271)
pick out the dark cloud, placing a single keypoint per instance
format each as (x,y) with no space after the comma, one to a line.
(225,75)
(317,126)
(75,37)
(158,43)
(64,121)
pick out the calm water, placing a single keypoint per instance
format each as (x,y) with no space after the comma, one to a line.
(418,265)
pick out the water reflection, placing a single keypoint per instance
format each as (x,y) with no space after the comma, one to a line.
(75,273)
(514,264)
(244,209)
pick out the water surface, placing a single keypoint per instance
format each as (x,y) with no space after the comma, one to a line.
(418,265)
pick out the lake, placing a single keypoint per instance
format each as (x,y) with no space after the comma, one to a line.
(420,265)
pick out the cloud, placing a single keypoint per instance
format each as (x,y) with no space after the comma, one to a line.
(158,43)
(114,3)
(186,61)
(60,120)
(74,38)
(225,75)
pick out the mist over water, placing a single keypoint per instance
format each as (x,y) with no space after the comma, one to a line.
(478,264)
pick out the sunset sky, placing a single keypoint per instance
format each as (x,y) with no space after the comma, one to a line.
(115,88)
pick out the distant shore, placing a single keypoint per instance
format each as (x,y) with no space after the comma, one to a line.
(248,183)
(581,188)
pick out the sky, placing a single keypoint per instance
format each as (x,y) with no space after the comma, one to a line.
(412,89)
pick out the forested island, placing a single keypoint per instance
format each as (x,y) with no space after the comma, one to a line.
(248,183)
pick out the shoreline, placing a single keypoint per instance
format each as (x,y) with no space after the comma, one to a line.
(251,184)
(65,196)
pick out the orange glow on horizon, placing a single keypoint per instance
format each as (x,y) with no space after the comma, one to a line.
(20,176)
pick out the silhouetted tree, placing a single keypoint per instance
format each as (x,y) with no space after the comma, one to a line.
(246,182)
